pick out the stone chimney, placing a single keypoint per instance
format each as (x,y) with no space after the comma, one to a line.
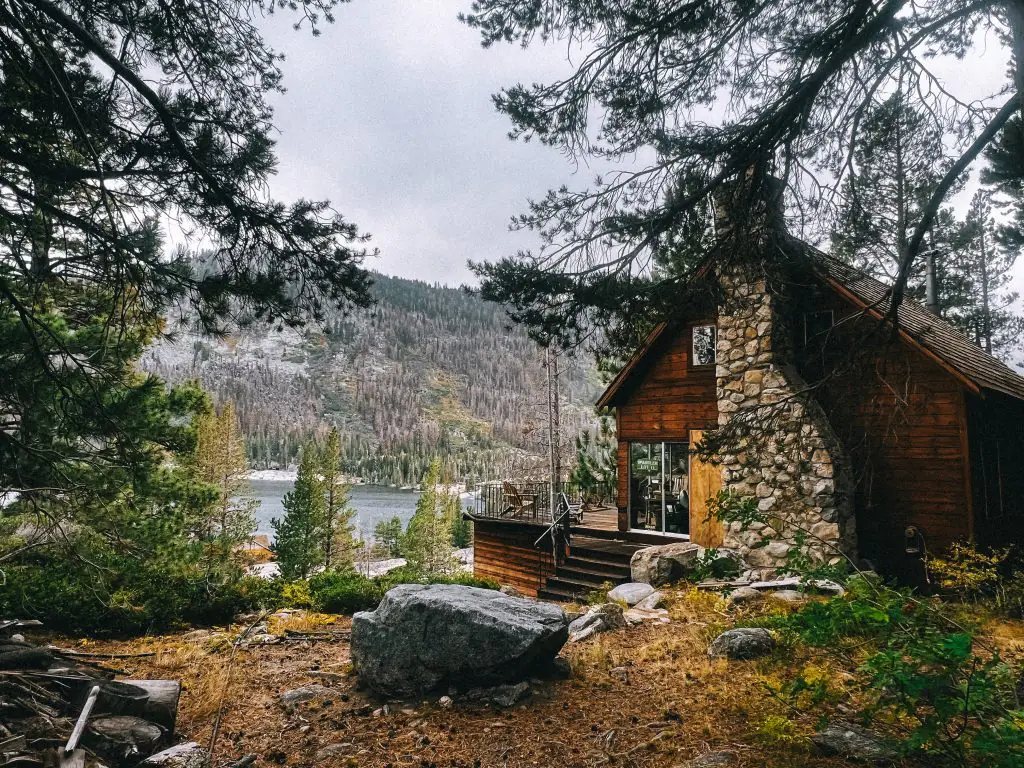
(775,442)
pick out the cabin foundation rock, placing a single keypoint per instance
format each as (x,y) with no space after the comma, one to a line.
(775,442)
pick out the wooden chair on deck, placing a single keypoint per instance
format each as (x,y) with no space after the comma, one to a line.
(515,506)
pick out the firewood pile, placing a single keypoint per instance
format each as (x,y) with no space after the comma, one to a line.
(64,709)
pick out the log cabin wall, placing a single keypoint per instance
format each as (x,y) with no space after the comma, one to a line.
(996,446)
(902,418)
(666,401)
(504,552)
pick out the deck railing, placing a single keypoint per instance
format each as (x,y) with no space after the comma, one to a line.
(522,500)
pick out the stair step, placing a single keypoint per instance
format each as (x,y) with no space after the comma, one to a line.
(590,574)
(556,596)
(597,567)
(570,584)
(599,556)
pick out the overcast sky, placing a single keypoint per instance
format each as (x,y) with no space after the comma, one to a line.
(388,114)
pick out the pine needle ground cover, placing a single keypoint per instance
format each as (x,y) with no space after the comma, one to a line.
(645,696)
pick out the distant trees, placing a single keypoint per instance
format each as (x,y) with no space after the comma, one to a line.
(427,543)
(219,461)
(388,537)
(316,529)
(596,468)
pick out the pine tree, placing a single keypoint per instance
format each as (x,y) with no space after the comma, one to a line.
(388,537)
(596,467)
(299,541)
(427,543)
(984,309)
(339,542)
(219,461)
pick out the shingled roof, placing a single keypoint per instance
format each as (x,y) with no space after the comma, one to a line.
(926,329)
(934,335)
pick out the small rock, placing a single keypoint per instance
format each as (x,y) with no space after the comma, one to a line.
(333,750)
(382,711)
(600,618)
(561,668)
(445,702)
(787,596)
(501,695)
(852,742)
(721,759)
(17,637)
(745,596)
(510,591)
(652,601)
(634,616)
(742,643)
(630,593)
(619,673)
(187,755)
(304,694)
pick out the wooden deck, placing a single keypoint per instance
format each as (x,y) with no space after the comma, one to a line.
(602,519)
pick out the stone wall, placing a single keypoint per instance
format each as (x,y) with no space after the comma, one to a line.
(776,443)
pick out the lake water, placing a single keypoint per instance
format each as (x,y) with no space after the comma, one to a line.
(372,504)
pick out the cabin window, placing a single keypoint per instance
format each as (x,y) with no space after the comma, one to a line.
(659,487)
(704,339)
(817,325)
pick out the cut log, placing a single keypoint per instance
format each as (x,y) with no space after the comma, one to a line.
(124,738)
(161,705)
(25,658)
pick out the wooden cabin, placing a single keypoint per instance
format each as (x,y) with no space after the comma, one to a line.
(932,427)
(780,379)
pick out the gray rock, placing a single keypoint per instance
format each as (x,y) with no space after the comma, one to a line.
(721,759)
(652,601)
(619,673)
(742,643)
(853,742)
(664,564)
(745,596)
(187,755)
(304,694)
(561,668)
(333,750)
(630,593)
(501,695)
(445,702)
(787,596)
(428,636)
(600,618)
(510,591)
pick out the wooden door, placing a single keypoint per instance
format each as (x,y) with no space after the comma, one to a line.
(705,483)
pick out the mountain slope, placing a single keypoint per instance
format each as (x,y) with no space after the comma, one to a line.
(429,370)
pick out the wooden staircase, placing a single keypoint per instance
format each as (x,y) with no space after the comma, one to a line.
(591,563)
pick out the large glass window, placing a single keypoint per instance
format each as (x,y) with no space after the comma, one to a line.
(659,487)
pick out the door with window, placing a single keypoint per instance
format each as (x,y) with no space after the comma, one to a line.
(659,487)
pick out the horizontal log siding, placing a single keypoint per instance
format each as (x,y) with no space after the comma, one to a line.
(900,416)
(504,552)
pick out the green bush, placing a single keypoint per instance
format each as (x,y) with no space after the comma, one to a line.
(344,591)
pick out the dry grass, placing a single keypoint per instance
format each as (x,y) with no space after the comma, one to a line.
(671,704)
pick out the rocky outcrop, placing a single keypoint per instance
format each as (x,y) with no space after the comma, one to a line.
(742,643)
(423,637)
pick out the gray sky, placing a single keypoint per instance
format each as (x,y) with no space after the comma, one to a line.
(388,114)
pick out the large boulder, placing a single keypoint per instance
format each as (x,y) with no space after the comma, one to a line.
(428,636)
(664,564)
(742,643)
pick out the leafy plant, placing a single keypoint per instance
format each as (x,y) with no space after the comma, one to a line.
(968,573)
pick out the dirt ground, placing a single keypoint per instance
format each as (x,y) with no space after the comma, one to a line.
(671,704)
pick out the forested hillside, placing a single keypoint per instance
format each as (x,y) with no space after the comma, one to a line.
(428,371)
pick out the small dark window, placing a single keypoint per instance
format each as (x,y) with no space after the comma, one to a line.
(817,325)
(704,339)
